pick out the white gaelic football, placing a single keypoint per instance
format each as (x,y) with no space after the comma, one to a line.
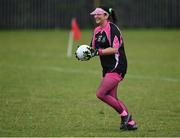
(83,52)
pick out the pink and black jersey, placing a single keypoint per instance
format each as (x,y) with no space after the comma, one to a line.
(110,36)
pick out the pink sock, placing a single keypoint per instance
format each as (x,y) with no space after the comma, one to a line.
(124,113)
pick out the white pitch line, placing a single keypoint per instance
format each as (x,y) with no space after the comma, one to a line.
(82,71)
(66,70)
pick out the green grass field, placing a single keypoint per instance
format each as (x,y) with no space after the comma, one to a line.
(43,93)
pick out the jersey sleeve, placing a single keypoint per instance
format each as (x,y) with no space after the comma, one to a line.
(116,37)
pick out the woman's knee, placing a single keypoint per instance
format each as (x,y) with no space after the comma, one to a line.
(99,95)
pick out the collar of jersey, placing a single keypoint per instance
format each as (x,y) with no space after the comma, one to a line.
(102,28)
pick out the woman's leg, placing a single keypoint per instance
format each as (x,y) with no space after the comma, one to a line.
(107,92)
(113,93)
